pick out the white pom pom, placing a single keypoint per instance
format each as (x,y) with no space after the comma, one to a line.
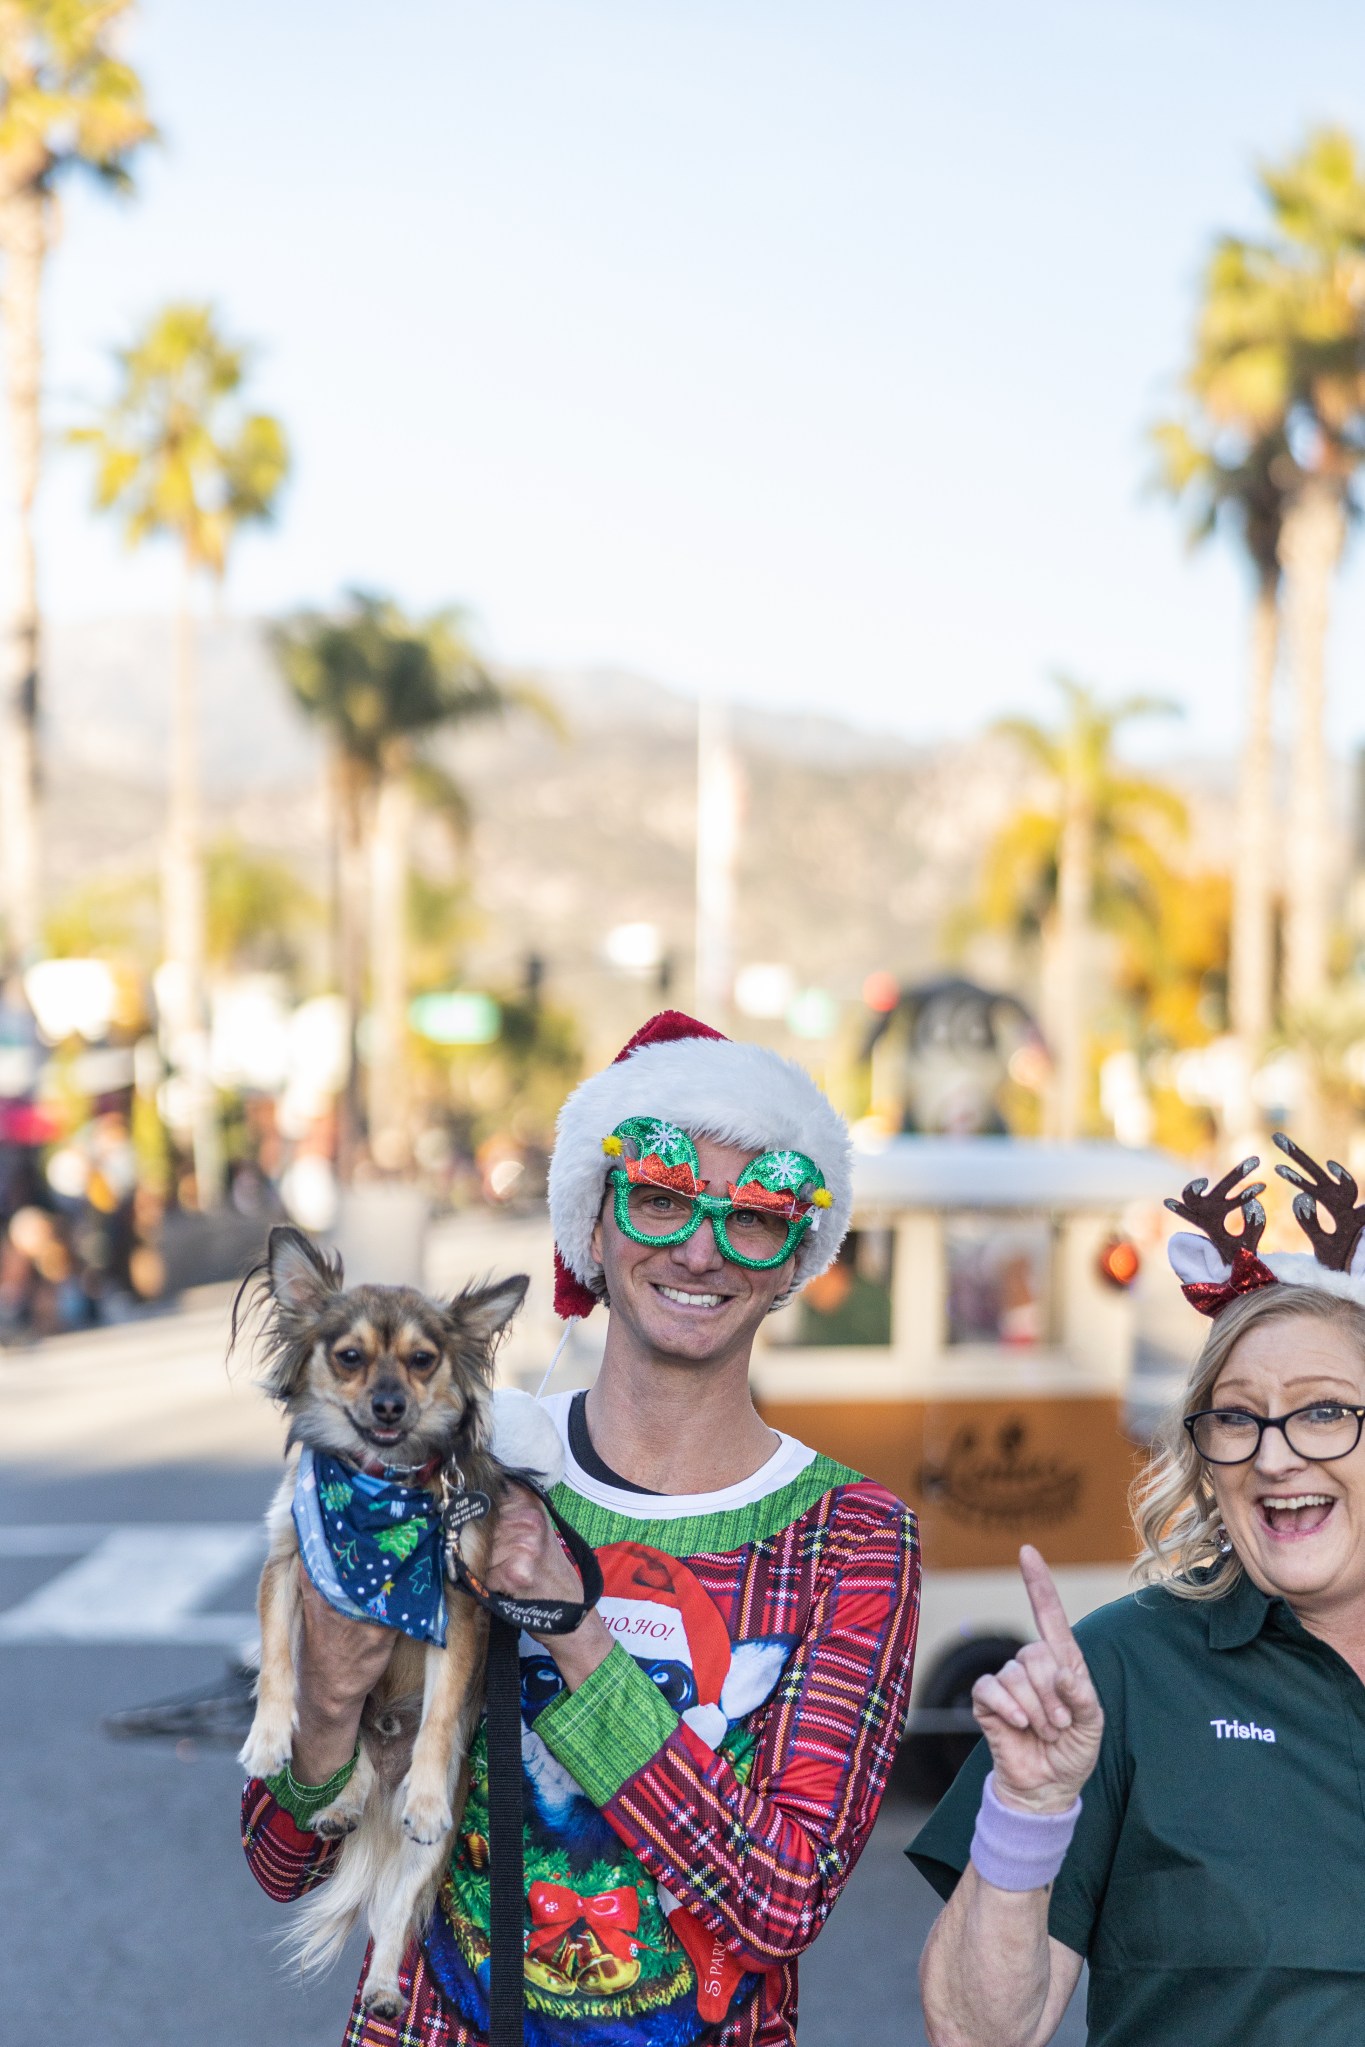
(525,1438)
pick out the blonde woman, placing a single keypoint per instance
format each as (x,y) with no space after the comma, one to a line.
(1176,1792)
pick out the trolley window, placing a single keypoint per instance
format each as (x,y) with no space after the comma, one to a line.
(999,1275)
(851,1303)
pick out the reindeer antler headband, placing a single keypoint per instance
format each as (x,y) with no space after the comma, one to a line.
(1222,1264)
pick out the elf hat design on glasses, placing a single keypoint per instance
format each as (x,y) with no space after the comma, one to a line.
(629,1130)
(1221,1264)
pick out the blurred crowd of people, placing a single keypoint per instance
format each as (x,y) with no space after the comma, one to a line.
(88,1236)
(79,1243)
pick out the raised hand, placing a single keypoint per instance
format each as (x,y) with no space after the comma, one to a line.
(1040,1713)
(527,1560)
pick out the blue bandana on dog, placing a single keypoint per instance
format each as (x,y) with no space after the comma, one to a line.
(371,1546)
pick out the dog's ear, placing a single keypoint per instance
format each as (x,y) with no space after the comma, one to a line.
(302,1277)
(481,1313)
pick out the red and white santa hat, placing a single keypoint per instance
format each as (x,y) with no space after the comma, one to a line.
(683,1072)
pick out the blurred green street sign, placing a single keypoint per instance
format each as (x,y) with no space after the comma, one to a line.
(459,1017)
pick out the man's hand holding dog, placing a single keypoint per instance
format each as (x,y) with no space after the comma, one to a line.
(528,1562)
(340,1663)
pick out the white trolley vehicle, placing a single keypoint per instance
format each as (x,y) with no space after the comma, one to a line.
(973,1350)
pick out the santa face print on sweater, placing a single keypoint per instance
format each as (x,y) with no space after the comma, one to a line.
(611,1957)
(673,1630)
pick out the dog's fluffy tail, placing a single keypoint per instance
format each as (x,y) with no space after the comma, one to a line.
(378,1872)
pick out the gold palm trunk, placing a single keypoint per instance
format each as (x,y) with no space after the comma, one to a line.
(1251,967)
(25,223)
(186,1022)
(1066,969)
(1310,549)
(388,1093)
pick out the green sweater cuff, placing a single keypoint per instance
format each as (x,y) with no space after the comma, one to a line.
(606,1731)
(303,1802)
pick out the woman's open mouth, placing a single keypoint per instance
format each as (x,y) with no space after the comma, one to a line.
(1296,1514)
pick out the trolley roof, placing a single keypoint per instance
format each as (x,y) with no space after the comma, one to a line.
(1010,1173)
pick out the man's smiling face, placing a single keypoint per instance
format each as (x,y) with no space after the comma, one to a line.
(685,1303)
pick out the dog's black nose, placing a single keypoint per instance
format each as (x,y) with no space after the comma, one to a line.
(388,1405)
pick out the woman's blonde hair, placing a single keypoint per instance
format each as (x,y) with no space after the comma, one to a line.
(1184,1546)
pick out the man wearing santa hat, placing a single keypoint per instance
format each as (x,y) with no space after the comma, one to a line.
(706,1752)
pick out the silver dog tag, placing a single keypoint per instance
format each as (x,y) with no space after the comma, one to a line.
(460,1509)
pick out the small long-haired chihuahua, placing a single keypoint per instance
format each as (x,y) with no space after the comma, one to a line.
(385,1380)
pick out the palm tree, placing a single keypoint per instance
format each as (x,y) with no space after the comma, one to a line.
(1230,478)
(385,688)
(1281,352)
(258,914)
(177,457)
(1085,860)
(67,103)
(1318,202)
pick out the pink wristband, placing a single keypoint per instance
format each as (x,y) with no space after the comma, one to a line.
(1020,1851)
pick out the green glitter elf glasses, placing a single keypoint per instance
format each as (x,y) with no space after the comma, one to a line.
(758,1221)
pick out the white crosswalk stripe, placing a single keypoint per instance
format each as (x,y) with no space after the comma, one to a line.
(133,1584)
(54,1540)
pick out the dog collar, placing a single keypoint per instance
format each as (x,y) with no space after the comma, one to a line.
(400,1474)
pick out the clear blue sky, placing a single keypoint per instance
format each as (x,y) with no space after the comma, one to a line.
(794,350)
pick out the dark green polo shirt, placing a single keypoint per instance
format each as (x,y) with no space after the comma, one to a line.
(1216,1881)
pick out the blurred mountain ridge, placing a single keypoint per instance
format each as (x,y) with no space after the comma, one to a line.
(107,699)
(856,845)
(107,691)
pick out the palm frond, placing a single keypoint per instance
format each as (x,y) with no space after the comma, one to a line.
(173,454)
(437,790)
(1031,738)
(378,678)
(1138,795)
(67,100)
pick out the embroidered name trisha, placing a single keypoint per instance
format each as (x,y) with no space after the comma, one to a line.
(1241,1730)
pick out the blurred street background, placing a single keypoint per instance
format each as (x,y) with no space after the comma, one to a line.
(514,518)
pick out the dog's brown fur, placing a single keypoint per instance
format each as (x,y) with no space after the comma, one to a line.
(376,1373)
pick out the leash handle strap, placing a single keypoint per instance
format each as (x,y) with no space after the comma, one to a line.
(506,1853)
(540,1616)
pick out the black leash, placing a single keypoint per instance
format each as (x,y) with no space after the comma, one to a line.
(506,1865)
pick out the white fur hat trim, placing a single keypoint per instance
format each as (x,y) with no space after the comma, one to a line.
(1301,1268)
(710,1087)
(1196,1261)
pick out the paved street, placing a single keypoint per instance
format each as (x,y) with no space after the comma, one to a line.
(134,1475)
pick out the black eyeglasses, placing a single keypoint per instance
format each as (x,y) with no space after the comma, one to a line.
(1322,1432)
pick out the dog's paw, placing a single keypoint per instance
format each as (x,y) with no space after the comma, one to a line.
(427,1820)
(382,2000)
(347,1809)
(266,1750)
(333,1826)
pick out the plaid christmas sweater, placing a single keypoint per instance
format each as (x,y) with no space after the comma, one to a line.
(695,1807)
